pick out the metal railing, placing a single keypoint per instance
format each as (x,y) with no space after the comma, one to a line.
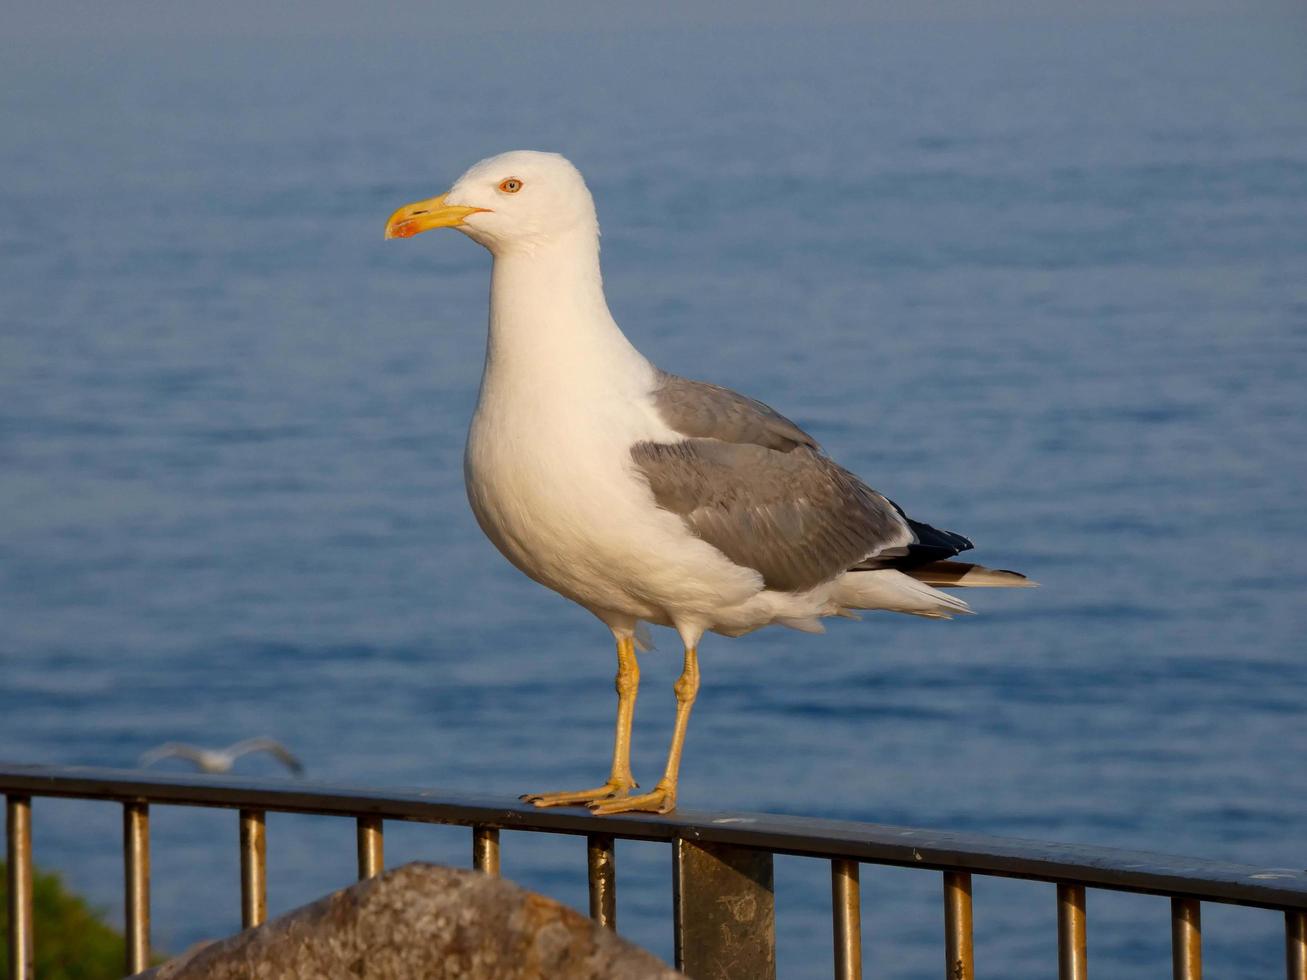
(723,903)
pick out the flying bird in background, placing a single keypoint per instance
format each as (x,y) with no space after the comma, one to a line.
(222,760)
(646,497)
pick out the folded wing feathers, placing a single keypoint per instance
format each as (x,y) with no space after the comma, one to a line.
(706,411)
(795,517)
(756,486)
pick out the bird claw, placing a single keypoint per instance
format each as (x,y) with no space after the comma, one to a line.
(662,799)
(611,790)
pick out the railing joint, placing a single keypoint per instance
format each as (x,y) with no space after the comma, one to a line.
(724,911)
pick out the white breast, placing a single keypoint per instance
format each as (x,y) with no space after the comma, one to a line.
(550,479)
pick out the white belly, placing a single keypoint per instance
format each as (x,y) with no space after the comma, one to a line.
(559,496)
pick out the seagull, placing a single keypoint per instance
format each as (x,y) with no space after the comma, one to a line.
(646,497)
(221,760)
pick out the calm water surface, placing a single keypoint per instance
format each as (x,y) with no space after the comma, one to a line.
(1044,285)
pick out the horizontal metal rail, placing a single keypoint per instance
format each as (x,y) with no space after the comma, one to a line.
(1099,867)
(735,843)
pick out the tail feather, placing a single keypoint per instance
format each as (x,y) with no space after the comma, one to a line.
(964,575)
(890,589)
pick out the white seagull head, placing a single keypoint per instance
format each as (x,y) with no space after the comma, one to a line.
(516,201)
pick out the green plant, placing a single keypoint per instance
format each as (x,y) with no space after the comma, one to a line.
(73,942)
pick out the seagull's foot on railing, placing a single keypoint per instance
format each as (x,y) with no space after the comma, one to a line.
(662,799)
(614,790)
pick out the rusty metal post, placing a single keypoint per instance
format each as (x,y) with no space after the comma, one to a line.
(959,949)
(18,851)
(846,918)
(1072,954)
(601,870)
(485,849)
(1295,945)
(371,847)
(136,885)
(254,869)
(1186,939)
(724,910)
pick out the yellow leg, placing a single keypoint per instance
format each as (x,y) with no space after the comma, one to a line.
(662,799)
(620,782)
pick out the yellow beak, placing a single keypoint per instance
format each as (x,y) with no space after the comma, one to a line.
(412,219)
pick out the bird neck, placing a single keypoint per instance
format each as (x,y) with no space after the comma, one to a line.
(549,319)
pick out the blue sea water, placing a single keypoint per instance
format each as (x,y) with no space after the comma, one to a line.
(1043,283)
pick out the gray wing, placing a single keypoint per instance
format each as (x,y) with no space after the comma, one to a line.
(703,411)
(793,515)
(270,745)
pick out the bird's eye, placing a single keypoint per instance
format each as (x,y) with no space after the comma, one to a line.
(511,186)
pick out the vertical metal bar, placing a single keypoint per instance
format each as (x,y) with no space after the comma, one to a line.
(846,918)
(1186,939)
(601,869)
(485,849)
(959,949)
(1072,957)
(1295,945)
(136,884)
(18,851)
(371,846)
(254,869)
(724,910)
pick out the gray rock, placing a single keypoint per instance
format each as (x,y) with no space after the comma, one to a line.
(423,921)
